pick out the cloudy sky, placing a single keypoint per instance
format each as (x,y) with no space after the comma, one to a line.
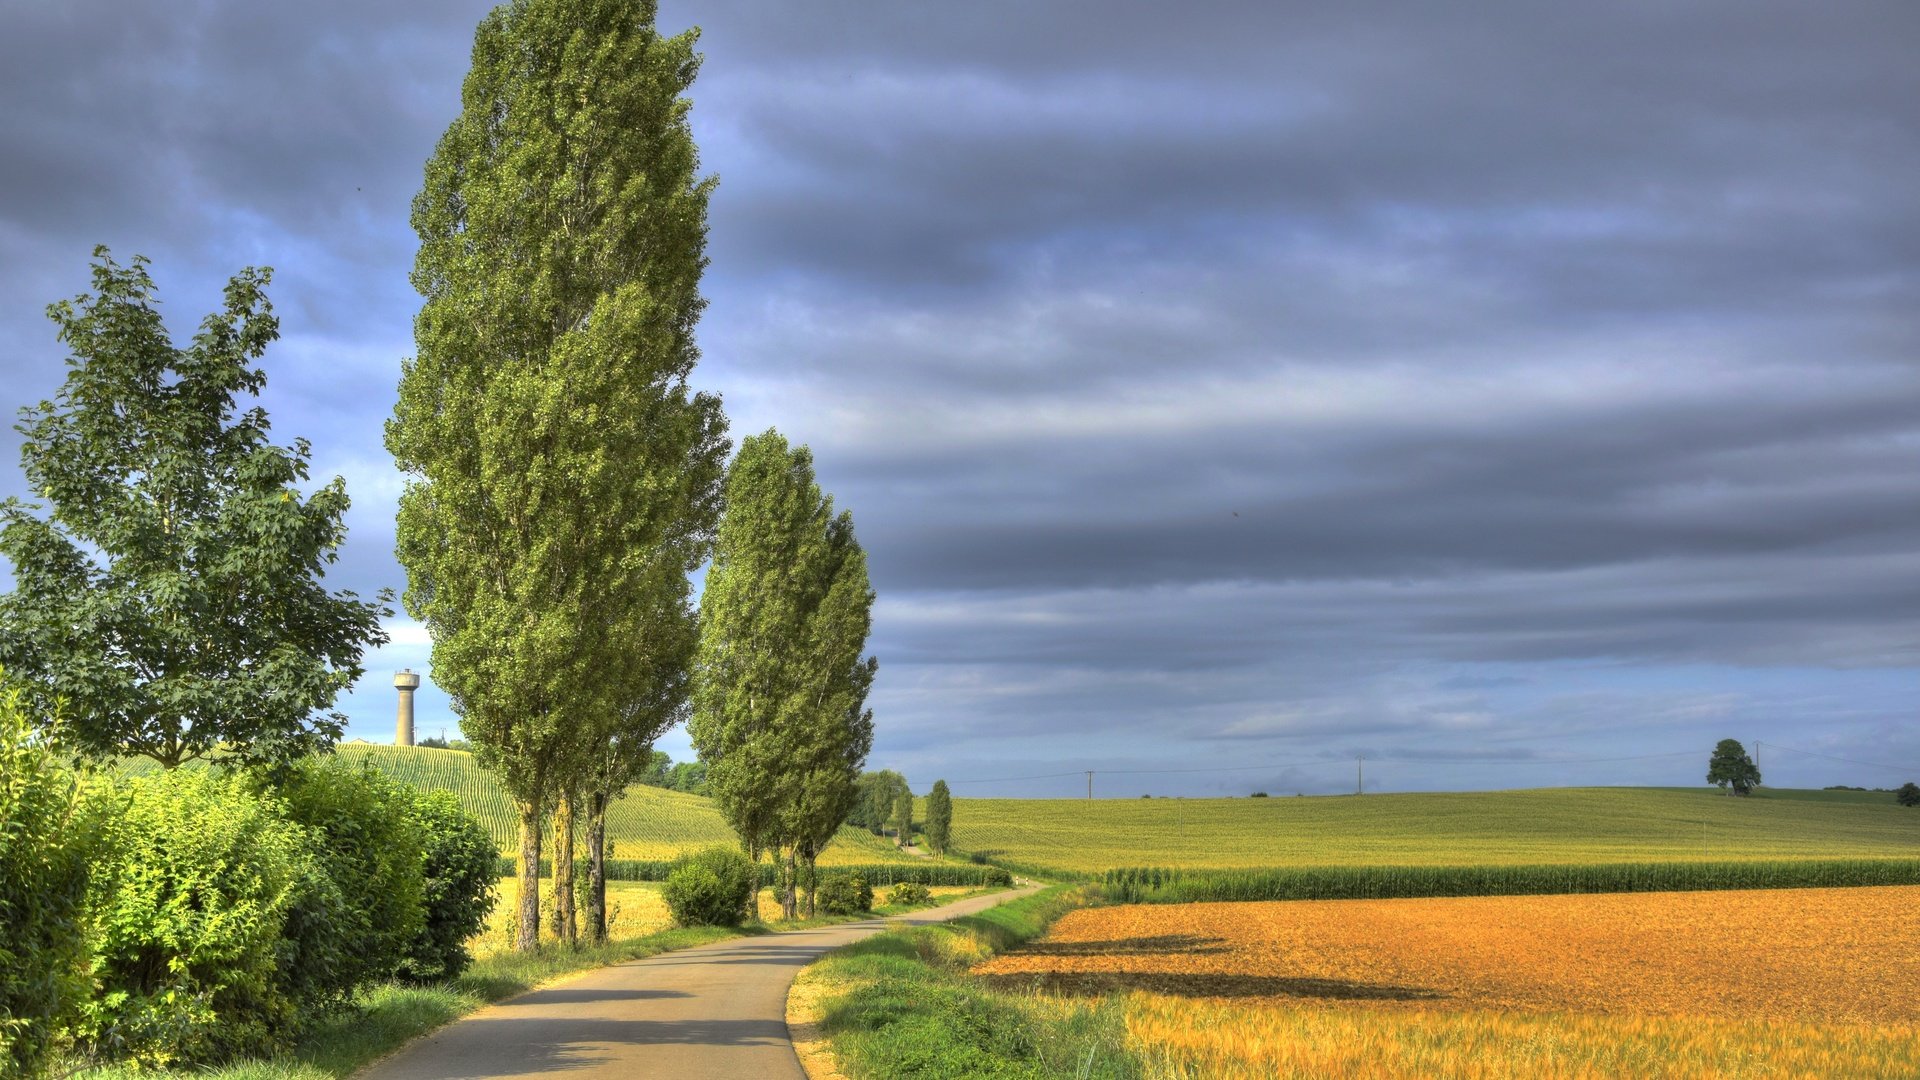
(1222,390)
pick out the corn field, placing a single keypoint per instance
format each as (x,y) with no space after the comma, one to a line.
(1149,885)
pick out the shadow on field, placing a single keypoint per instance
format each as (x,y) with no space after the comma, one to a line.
(1154,945)
(1200,984)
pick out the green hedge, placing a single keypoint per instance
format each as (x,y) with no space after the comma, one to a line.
(880,875)
(1148,885)
(47,838)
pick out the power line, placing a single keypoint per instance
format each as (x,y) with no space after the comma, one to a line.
(1321,762)
(1850,761)
(1011,779)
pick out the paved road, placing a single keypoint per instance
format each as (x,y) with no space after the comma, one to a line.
(713,1011)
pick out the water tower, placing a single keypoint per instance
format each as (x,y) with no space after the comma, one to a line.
(406,682)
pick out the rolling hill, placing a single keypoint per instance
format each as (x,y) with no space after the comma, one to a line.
(649,823)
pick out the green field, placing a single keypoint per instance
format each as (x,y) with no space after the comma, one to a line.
(649,823)
(1543,826)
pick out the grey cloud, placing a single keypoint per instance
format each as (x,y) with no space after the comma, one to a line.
(1557,361)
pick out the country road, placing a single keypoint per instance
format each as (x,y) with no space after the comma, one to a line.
(713,1011)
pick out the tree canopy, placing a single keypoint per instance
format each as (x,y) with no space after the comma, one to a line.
(1730,766)
(170,603)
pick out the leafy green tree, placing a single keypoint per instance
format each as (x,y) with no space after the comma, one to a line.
(656,773)
(172,597)
(564,480)
(903,818)
(1730,765)
(878,792)
(780,687)
(939,817)
(1908,794)
(688,776)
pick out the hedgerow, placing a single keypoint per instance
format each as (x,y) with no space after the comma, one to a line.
(190,892)
(46,836)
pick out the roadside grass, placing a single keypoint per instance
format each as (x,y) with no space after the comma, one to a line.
(900,1004)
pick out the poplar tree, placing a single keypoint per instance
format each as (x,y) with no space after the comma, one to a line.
(170,603)
(563,478)
(939,817)
(780,687)
(903,818)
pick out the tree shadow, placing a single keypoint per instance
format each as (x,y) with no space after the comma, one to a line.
(1153,945)
(1204,984)
(572,996)
(499,1046)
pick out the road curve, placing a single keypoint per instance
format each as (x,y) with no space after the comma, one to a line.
(711,1011)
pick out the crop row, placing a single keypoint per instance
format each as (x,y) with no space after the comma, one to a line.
(1149,885)
(879,875)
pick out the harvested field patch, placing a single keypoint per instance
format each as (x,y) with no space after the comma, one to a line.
(1809,956)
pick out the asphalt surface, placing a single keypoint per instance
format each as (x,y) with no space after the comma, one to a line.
(712,1011)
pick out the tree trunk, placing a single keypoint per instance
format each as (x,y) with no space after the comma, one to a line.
(566,926)
(527,938)
(597,869)
(787,898)
(812,880)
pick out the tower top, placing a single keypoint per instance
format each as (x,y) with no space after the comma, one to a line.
(405,679)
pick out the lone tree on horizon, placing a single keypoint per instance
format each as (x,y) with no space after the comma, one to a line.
(1730,766)
(563,478)
(170,604)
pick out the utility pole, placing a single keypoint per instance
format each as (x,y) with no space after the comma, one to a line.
(1089,784)
(1359,774)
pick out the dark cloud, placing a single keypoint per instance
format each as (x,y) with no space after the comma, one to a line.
(1266,383)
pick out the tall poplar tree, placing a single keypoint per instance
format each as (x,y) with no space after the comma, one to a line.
(563,477)
(779,700)
(939,817)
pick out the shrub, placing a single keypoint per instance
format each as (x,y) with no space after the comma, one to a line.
(369,845)
(457,886)
(45,840)
(844,894)
(190,893)
(710,888)
(908,892)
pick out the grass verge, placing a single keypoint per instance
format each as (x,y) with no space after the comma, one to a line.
(900,1004)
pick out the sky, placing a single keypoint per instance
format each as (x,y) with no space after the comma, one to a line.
(1223,392)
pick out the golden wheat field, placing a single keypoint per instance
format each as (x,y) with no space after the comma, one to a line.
(1188,1038)
(1799,982)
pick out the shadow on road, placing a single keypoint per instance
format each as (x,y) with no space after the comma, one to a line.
(517,1047)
